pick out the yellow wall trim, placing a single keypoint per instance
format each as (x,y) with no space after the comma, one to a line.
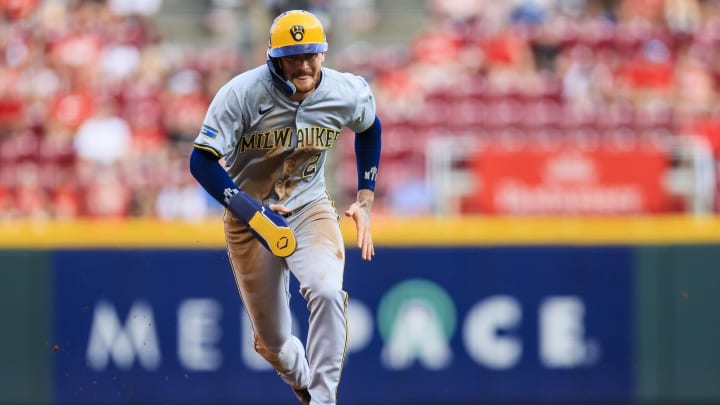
(387,231)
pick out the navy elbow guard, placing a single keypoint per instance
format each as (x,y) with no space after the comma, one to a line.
(269,227)
(367,152)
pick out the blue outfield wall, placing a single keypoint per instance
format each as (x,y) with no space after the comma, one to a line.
(427,324)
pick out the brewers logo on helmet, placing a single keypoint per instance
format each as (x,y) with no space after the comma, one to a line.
(296,32)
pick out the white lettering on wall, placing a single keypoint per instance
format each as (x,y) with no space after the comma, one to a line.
(109,339)
(417,334)
(481,333)
(199,332)
(562,333)
(360,326)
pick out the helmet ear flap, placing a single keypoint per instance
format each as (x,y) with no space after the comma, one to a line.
(285,86)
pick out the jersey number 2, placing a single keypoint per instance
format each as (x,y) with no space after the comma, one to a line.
(312,165)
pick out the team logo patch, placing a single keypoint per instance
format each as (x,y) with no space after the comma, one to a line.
(297,32)
(210,132)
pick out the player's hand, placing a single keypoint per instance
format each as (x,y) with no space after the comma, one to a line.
(269,227)
(279,208)
(359,211)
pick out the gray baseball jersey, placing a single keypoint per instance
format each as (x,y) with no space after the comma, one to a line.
(275,148)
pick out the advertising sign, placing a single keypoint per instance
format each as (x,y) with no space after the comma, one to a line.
(603,181)
(436,325)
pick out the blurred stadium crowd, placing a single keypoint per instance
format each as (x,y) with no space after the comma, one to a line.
(97,115)
(98,111)
(528,72)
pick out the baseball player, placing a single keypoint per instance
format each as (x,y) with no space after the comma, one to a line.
(274,125)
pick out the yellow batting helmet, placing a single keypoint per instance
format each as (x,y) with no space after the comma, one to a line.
(295,32)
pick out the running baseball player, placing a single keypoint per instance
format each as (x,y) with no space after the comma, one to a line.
(274,125)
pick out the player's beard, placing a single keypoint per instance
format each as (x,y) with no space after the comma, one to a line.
(305,83)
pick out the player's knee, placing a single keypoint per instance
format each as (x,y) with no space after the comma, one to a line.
(269,348)
(323,292)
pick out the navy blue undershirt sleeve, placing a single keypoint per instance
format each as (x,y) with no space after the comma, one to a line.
(206,169)
(367,154)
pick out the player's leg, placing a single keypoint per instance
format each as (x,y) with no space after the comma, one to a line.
(263,282)
(318,265)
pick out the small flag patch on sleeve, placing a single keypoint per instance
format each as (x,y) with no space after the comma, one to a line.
(209,131)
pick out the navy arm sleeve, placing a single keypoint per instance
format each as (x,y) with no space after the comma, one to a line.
(269,227)
(367,154)
(206,169)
